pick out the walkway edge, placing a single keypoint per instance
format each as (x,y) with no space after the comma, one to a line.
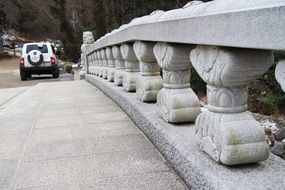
(178,145)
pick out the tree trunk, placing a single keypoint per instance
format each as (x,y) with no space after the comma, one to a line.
(100,17)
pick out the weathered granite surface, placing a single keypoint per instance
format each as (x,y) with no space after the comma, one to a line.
(105,63)
(132,73)
(88,40)
(257,24)
(56,141)
(176,102)
(120,66)
(227,132)
(111,64)
(280,74)
(177,143)
(149,82)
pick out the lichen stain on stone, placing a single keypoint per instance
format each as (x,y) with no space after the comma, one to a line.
(176,104)
(235,143)
(234,139)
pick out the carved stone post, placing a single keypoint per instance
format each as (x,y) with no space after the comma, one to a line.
(131,66)
(100,69)
(120,66)
(111,64)
(176,101)
(87,41)
(90,65)
(280,74)
(105,64)
(95,63)
(87,62)
(149,82)
(98,56)
(226,131)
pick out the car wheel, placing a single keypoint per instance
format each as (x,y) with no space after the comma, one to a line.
(35,57)
(55,73)
(23,75)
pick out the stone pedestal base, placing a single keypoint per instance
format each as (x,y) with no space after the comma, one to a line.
(178,105)
(231,138)
(118,77)
(81,75)
(111,72)
(78,75)
(148,87)
(130,81)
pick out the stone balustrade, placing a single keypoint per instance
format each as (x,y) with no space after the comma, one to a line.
(132,70)
(149,82)
(120,66)
(228,42)
(111,64)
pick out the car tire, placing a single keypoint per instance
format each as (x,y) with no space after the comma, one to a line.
(55,73)
(23,75)
(41,57)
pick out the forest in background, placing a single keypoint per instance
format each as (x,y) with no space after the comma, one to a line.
(67,19)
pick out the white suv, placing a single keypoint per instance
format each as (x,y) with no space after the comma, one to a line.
(38,58)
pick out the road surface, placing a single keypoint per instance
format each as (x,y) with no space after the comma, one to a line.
(10,76)
(68,135)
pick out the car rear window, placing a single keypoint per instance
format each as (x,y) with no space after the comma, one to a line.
(43,49)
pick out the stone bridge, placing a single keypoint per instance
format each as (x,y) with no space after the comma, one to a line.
(229,43)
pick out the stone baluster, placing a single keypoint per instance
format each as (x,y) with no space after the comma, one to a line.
(98,62)
(90,65)
(131,67)
(95,63)
(120,66)
(176,101)
(226,131)
(87,63)
(105,64)
(111,64)
(280,74)
(100,70)
(149,82)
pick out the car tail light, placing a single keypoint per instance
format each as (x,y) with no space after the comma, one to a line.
(52,60)
(22,62)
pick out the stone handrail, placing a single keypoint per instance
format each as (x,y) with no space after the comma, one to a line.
(228,42)
(256,24)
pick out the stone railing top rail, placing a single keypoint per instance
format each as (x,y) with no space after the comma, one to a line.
(257,24)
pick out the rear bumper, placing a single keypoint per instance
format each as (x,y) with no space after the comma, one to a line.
(39,70)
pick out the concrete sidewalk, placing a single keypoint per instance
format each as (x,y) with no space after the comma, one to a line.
(69,135)
(7,96)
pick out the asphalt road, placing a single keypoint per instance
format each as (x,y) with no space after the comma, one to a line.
(10,76)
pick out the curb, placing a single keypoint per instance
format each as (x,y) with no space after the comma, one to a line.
(178,145)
